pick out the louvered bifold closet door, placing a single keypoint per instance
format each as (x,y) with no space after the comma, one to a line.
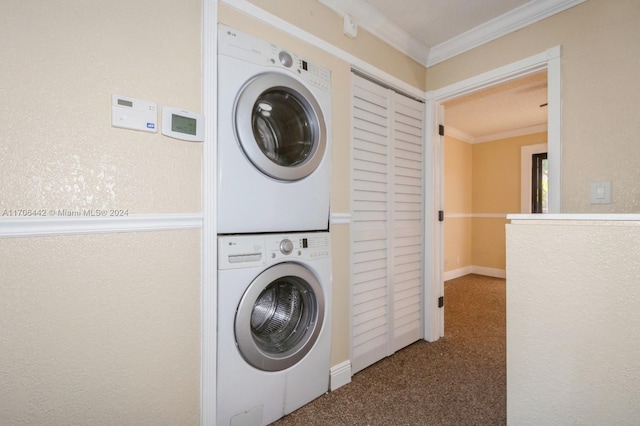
(369,232)
(387,241)
(406,233)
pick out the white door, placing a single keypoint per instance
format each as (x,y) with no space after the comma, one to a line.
(387,237)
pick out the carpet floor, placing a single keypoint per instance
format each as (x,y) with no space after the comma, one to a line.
(458,380)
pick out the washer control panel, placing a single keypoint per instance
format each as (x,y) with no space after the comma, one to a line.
(241,251)
(246,251)
(307,246)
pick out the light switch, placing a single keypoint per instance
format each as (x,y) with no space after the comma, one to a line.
(600,193)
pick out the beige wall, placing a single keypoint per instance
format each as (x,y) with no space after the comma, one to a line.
(100,329)
(458,192)
(496,191)
(599,39)
(61,62)
(573,320)
(482,186)
(103,328)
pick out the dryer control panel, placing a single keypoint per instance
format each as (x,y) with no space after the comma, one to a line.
(310,72)
(237,44)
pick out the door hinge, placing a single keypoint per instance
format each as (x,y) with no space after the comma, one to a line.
(441,216)
(440,301)
(441,130)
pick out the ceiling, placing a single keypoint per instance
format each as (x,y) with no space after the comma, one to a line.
(435,21)
(510,109)
(431,31)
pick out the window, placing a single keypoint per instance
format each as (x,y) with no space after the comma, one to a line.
(539,183)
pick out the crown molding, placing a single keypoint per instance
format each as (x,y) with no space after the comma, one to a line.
(380,26)
(458,134)
(540,128)
(470,139)
(295,31)
(377,24)
(514,20)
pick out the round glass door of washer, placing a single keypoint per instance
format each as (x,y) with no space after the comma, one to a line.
(279,317)
(280,127)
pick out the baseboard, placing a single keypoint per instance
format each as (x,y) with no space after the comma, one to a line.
(480,270)
(489,272)
(340,375)
(457,273)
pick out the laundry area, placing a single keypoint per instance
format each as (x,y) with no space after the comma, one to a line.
(216,212)
(274,250)
(284,182)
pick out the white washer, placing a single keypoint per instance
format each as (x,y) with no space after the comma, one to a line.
(274,325)
(274,138)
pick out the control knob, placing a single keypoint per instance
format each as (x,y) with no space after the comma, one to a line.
(286,246)
(285,59)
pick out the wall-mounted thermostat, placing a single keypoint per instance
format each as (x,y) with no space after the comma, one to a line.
(182,124)
(135,114)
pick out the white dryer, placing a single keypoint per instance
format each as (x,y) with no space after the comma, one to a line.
(274,138)
(274,325)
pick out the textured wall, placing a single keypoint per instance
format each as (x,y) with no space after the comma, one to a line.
(61,62)
(600,87)
(100,329)
(573,321)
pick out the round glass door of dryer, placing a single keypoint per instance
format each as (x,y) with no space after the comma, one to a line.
(280,127)
(279,317)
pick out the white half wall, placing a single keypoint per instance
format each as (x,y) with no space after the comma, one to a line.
(573,320)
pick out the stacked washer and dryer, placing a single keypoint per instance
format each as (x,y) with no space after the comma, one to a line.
(274,259)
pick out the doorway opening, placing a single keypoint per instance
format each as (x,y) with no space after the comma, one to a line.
(548,61)
(484,132)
